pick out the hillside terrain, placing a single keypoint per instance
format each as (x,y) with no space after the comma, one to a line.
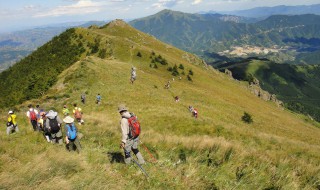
(279,39)
(297,85)
(279,150)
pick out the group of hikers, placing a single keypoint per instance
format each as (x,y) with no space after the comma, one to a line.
(83,98)
(50,124)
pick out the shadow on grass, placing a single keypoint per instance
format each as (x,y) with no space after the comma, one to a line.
(115,157)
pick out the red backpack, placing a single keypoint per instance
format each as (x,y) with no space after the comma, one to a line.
(33,115)
(134,126)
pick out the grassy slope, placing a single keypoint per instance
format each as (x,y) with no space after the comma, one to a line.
(280,149)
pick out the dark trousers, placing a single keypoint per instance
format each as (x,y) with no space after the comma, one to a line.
(34,124)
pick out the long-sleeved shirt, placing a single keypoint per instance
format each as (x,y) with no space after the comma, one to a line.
(124,124)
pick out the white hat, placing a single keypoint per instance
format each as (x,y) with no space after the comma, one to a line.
(122,108)
(10,112)
(51,114)
(68,119)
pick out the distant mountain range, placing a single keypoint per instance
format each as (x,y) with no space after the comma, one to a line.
(16,45)
(280,38)
(264,12)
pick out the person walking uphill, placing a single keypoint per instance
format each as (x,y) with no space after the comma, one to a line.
(53,123)
(129,140)
(71,134)
(12,125)
(32,115)
(133,75)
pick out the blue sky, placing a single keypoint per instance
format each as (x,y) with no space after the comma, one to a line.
(19,14)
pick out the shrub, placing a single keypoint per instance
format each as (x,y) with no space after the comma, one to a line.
(190,72)
(181,67)
(139,54)
(189,78)
(247,118)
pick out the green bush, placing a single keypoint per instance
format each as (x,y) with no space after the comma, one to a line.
(247,118)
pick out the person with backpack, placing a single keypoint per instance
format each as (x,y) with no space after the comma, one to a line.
(130,129)
(83,98)
(71,134)
(98,99)
(133,75)
(77,112)
(12,125)
(53,123)
(32,115)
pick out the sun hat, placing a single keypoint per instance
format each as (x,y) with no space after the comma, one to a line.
(122,108)
(68,119)
(51,114)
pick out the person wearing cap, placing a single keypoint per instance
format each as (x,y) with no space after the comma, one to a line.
(133,75)
(12,125)
(65,110)
(53,123)
(71,134)
(127,143)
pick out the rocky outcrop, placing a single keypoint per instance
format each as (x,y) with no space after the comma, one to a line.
(228,72)
(255,88)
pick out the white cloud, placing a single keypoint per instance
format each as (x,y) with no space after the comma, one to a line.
(195,2)
(79,8)
(165,3)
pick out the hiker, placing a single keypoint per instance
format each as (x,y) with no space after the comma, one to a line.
(53,123)
(98,99)
(72,140)
(43,126)
(65,110)
(133,75)
(129,142)
(195,113)
(177,99)
(12,125)
(190,109)
(77,112)
(167,86)
(32,115)
(83,98)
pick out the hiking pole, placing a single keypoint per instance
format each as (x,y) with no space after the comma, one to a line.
(144,146)
(139,165)
(145,173)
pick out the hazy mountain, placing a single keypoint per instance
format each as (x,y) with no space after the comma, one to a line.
(278,150)
(264,12)
(16,45)
(280,38)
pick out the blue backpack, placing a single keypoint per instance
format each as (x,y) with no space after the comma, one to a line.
(72,132)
